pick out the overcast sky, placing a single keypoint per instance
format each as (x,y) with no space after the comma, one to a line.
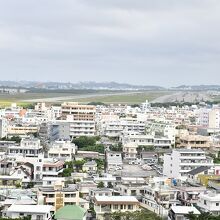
(151,42)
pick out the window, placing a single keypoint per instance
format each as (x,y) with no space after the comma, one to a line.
(38,168)
(130,207)
(39,217)
(37,176)
(217,204)
(115,207)
(69,203)
(205,203)
(70,195)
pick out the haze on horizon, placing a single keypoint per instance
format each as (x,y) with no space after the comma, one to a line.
(147,42)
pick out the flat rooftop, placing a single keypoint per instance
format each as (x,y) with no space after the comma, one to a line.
(184,210)
(116,199)
(30,208)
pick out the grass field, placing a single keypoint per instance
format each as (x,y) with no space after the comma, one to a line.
(127,98)
(135,98)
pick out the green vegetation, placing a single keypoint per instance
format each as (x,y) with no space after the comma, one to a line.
(76,166)
(96,103)
(97,148)
(116,147)
(203,216)
(85,141)
(216,159)
(145,148)
(137,215)
(98,96)
(100,164)
(72,166)
(17,139)
(100,185)
(132,98)
(89,144)
(110,185)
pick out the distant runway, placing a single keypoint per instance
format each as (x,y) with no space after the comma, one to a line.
(75,97)
(183,97)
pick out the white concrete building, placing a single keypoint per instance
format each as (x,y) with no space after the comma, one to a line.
(29,147)
(180,212)
(64,150)
(140,140)
(209,202)
(214,118)
(3,127)
(36,212)
(181,161)
(130,151)
(70,128)
(58,195)
(109,204)
(114,161)
(162,143)
(116,128)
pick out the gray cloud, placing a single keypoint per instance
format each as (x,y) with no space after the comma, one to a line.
(143,42)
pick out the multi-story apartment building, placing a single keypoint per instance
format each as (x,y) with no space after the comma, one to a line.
(77,120)
(29,147)
(116,128)
(162,143)
(140,140)
(52,168)
(181,161)
(130,151)
(194,141)
(69,128)
(202,117)
(64,150)
(21,130)
(165,129)
(114,161)
(214,118)
(58,195)
(79,112)
(109,204)
(3,127)
(209,201)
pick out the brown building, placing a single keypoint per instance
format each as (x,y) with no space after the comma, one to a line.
(79,112)
(194,141)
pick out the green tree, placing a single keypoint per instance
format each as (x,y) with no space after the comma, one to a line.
(137,215)
(85,141)
(100,164)
(100,185)
(202,216)
(110,185)
(116,147)
(78,164)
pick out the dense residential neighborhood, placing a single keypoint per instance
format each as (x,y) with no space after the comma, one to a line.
(85,162)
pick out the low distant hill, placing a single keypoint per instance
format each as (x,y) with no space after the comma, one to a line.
(197,87)
(80,85)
